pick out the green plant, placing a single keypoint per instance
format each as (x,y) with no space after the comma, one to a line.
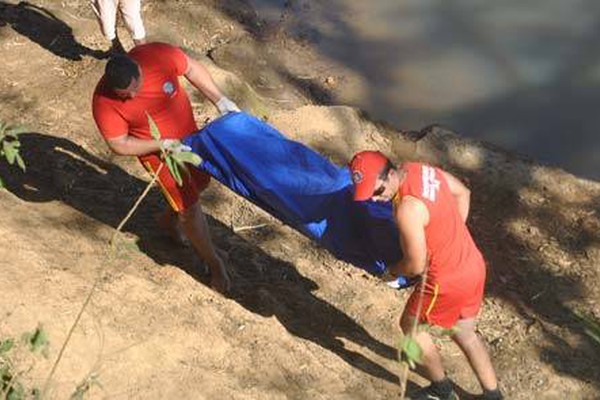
(11,385)
(85,386)
(176,164)
(175,161)
(409,350)
(10,145)
(37,341)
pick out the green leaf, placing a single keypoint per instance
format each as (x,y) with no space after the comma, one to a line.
(174,169)
(6,345)
(20,162)
(410,351)
(37,340)
(16,392)
(183,169)
(1,183)
(154,131)
(5,376)
(16,131)
(9,152)
(188,157)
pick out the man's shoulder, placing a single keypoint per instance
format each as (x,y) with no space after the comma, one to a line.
(103,99)
(411,210)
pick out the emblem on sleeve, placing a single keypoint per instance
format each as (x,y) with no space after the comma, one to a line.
(168,88)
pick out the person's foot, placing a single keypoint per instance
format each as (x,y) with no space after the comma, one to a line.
(425,395)
(116,47)
(495,394)
(441,390)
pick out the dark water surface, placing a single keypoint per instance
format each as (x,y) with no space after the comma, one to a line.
(522,74)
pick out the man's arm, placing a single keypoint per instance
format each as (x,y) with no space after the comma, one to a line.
(461,193)
(199,76)
(411,218)
(127,145)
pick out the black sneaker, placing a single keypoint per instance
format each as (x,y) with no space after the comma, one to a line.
(429,393)
(492,395)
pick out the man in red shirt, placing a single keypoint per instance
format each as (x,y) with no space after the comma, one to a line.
(143,83)
(431,208)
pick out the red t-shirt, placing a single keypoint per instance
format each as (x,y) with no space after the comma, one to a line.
(161,96)
(454,257)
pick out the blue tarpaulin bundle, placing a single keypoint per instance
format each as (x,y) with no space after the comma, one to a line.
(300,187)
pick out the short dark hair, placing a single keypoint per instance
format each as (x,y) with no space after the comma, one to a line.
(119,72)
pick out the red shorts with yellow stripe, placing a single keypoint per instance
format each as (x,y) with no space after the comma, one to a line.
(445,302)
(178,197)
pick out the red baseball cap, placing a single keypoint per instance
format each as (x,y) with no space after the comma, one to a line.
(365,167)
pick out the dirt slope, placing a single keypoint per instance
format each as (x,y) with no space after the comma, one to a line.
(298,324)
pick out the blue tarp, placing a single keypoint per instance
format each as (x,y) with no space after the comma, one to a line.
(300,187)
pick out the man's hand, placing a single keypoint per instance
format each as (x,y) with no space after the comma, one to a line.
(174,146)
(226,106)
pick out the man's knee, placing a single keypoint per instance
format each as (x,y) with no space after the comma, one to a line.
(466,335)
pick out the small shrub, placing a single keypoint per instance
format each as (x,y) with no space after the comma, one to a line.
(10,145)
(11,374)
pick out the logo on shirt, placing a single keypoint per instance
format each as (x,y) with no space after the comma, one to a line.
(168,88)
(431,185)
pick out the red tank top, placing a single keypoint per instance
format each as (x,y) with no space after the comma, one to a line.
(451,249)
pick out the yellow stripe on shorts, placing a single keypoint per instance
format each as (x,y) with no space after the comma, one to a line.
(436,290)
(165,192)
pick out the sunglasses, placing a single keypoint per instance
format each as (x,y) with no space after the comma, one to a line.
(379,191)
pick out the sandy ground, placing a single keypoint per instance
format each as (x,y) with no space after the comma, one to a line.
(298,323)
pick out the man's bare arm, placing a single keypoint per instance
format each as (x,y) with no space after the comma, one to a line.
(461,193)
(411,218)
(199,76)
(127,145)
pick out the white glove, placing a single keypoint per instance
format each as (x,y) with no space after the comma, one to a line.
(226,106)
(393,284)
(174,146)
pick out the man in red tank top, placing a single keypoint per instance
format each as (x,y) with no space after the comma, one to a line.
(143,83)
(431,208)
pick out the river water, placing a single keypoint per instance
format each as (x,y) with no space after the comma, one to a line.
(521,74)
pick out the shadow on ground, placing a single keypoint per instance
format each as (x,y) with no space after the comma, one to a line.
(44,28)
(60,170)
(544,279)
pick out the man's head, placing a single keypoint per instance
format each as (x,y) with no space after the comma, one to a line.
(122,76)
(370,174)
